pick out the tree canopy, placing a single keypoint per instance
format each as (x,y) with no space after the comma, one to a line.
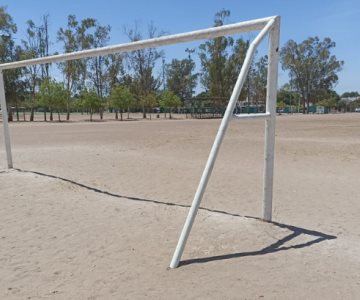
(311,66)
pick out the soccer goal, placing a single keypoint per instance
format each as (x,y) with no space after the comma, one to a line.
(267,26)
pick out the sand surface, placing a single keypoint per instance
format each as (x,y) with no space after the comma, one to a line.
(94,211)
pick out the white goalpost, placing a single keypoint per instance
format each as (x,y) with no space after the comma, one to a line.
(267,26)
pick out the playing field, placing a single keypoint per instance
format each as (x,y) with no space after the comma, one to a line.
(94,210)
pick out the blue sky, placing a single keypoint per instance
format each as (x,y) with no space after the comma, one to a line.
(338,20)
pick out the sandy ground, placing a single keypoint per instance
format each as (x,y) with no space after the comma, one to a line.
(94,211)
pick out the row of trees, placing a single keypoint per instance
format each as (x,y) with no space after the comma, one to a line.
(142,79)
(53,97)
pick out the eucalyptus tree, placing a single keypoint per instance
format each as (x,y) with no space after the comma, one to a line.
(259,79)
(36,44)
(98,64)
(311,66)
(115,73)
(76,36)
(142,63)
(181,78)
(236,61)
(217,68)
(9,51)
(44,45)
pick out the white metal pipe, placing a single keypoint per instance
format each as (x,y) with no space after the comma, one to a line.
(5,122)
(155,42)
(216,146)
(252,116)
(270,123)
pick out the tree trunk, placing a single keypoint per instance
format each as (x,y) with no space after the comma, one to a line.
(121,114)
(307,105)
(45,116)
(24,115)
(32,114)
(91,113)
(17,112)
(144,112)
(59,116)
(101,113)
(68,110)
(51,116)
(116,115)
(10,116)
(304,105)
(170,114)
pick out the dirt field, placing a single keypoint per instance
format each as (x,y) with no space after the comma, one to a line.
(94,211)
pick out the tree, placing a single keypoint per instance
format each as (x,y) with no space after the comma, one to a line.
(288,96)
(259,79)
(329,103)
(14,86)
(75,37)
(236,59)
(312,68)
(169,100)
(97,73)
(149,101)
(52,96)
(181,78)
(142,63)
(217,69)
(115,73)
(36,45)
(350,95)
(44,39)
(120,99)
(91,101)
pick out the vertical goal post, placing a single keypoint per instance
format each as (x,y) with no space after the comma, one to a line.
(267,26)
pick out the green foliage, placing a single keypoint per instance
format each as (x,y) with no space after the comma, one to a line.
(90,101)
(142,62)
(287,96)
(52,95)
(280,105)
(149,100)
(217,69)
(169,100)
(180,77)
(121,98)
(329,103)
(259,79)
(312,68)
(14,85)
(350,94)
(76,36)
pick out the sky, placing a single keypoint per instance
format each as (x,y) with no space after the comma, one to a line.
(338,20)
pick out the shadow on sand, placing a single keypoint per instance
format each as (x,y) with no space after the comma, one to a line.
(317,236)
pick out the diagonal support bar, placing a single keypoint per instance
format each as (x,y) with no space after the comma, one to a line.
(216,146)
(5,122)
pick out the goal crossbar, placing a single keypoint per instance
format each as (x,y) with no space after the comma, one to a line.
(267,26)
(202,34)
